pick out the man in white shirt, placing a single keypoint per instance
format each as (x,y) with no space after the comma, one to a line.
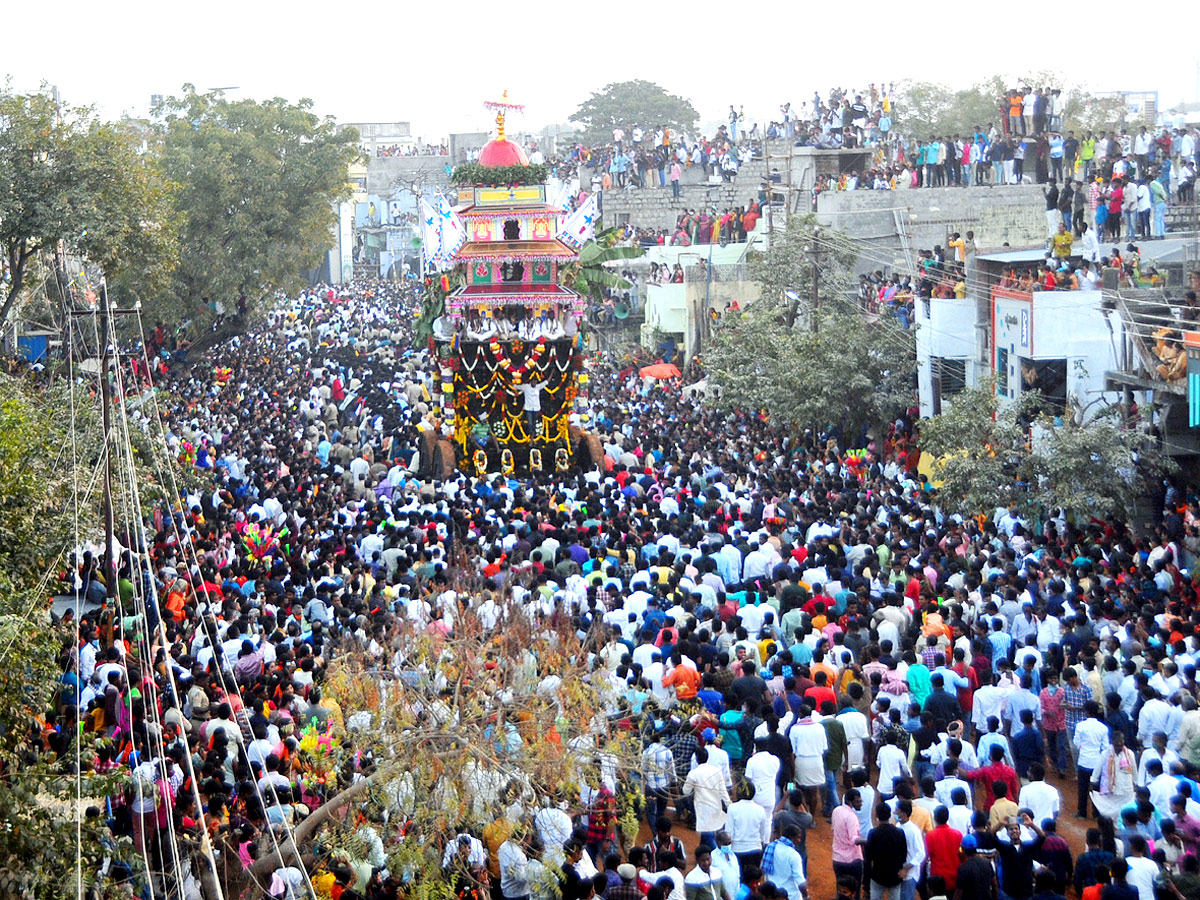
(1162,786)
(1158,750)
(1091,741)
(989,702)
(892,762)
(758,561)
(948,783)
(1143,871)
(1038,797)
(706,786)
(915,839)
(1153,716)
(857,734)
(762,771)
(746,823)
(809,743)
(717,756)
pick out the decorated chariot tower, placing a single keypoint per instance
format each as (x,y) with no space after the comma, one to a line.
(509,342)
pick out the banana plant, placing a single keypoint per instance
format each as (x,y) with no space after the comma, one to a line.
(588,276)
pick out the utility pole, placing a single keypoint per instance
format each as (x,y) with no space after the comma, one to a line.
(770,190)
(816,281)
(110,561)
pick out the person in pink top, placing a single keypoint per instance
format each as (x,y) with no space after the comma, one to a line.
(1054,722)
(847,838)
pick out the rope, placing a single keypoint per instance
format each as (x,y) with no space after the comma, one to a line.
(131,503)
(186,547)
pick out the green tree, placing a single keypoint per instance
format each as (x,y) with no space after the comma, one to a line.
(37,525)
(258,184)
(66,177)
(133,234)
(814,362)
(803,254)
(589,275)
(925,109)
(629,103)
(988,454)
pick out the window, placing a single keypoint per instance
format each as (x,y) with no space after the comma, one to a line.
(512,230)
(1002,371)
(949,378)
(1049,376)
(953,375)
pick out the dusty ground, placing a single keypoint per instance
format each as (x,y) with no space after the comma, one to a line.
(821,882)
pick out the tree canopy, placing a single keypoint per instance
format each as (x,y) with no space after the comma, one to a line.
(926,109)
(629,103)
(258,182)
(37,524)
(67,178)
(824,365)
(990,454)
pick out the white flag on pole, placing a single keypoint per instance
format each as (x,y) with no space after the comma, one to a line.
(431,236)
(454,232)
(580,226)
(563,199)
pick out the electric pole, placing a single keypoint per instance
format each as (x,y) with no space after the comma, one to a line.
(816,280)
(110,560)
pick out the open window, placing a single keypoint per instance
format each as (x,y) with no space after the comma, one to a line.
(1049,376)
(949,380)
(512,230)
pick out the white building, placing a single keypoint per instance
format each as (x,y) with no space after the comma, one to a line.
(1059,342)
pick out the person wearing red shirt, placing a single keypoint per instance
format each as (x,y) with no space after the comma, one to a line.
(684,678)
(966,696)
(820,692)
(996,770)
(942,845)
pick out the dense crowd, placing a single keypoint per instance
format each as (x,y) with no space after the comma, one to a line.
(807,649)
(401,150)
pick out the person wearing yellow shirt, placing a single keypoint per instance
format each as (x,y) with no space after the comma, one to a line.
(958,245)
(1062,242)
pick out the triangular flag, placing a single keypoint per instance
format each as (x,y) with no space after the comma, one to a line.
(580,226)
(431,235)
(454,232)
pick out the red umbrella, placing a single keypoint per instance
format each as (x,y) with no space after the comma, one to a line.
(659,370)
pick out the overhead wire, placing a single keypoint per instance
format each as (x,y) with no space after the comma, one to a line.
(71,387)
(185,546)
(131,503)
(147,581)
(111,570)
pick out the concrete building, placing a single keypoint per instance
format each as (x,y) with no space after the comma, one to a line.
(1084,350)
(890,226)
(714,279)
(1062,343)
(374,136)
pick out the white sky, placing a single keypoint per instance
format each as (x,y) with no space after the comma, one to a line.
(432,64)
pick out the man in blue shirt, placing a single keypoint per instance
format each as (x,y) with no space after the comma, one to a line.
(782,866)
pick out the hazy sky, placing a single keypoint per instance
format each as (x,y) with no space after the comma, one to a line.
(432,64)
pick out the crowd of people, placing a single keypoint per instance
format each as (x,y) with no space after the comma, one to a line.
(808,650)
(988,157)
(402,150)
